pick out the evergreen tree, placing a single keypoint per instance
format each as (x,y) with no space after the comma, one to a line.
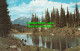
(71,20)
(5,22)
(67,17)
(43,20)
(77,15)
(32,20)
(35,19)
(53,15)
(57,18)
(74,19)
(47,16)
(62,17)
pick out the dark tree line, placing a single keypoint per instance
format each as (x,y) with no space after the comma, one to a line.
(61,19)
(5,23)
(34,19)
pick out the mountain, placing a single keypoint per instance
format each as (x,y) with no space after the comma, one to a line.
(21,20)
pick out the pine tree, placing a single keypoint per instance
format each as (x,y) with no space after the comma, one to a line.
(71,20)
(5,22)
(57,18)
(62,18)
(67,17)
(53,15)
(74,19)
(35,18)
(43,20)
(32,20)
(77,15)
(47,16)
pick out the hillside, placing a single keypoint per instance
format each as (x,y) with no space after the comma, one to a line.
(22,20)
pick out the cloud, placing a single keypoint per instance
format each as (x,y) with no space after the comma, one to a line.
(38,6)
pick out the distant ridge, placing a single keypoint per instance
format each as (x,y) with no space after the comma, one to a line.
(21,20)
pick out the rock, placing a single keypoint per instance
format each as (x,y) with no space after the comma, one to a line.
(78,29)
(19,49)
(52,34)
(53,49)
(41,48)
(13,46)
(71,47)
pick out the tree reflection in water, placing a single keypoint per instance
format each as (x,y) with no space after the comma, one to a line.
(53,42)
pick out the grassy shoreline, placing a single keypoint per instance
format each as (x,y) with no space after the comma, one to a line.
(20,33)
(65,31)
(5,43)
(31,48)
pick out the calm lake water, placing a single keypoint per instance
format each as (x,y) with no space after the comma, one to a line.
(51,42)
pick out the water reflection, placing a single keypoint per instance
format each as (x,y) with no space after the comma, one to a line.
(52,42)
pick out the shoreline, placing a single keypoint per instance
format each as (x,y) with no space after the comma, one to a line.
(46,34)
(20,33)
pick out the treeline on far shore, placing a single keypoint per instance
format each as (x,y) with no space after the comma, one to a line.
(61,21)
(68,22)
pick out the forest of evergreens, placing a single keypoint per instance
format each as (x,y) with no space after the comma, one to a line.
(60,19)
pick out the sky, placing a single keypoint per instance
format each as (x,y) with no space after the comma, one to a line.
(25,8)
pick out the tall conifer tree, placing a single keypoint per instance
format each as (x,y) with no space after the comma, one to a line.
(71,20)
(57,18)
(77,15)
(43,20)
(5,22)
(47,16)
(67,17)
(53,15)
(62,17)
(32,20)
(74,19)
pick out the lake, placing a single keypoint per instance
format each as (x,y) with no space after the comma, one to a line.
(51,42)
